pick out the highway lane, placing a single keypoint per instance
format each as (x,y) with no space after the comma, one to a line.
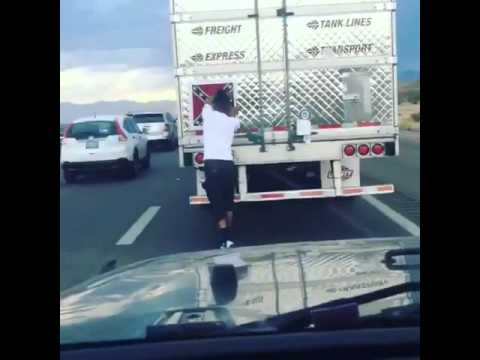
(403,171)
(96,212)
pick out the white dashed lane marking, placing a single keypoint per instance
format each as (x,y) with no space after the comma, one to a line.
(408,225)
(137,228)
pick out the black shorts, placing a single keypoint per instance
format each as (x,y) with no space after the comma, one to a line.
(219,185)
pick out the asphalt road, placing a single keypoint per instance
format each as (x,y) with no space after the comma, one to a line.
(97,212)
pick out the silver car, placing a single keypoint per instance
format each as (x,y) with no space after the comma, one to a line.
(160,128)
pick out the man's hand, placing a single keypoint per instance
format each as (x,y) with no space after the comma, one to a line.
(210,100)
(235,111)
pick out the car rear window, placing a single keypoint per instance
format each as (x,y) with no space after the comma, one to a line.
(97,129)
(150,118)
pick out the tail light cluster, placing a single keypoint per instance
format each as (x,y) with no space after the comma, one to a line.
(199,158)
(363,150)
(66,132)
(121,135)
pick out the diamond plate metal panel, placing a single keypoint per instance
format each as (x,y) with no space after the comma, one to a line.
(339,36)
(321,92)
(246,96)
(274,99)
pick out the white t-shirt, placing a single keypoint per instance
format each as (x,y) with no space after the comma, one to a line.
(218,132)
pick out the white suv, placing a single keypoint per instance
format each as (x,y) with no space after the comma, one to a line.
(160,128)
(109,142)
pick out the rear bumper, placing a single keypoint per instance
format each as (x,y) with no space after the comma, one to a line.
(303,194)
(92,166)
(158,137)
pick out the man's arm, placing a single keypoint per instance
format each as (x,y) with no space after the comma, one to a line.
(235,112)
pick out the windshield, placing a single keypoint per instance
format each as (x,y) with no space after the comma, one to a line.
(147,119)
(96,129)
(294,196)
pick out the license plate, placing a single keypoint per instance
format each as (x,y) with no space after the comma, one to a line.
(92,144)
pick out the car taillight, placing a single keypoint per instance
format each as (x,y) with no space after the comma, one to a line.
(121,135)
(199,158)
(378,149)
(349,150)
(67,130)
(363,150)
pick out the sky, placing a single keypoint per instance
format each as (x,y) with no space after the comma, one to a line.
(113,50)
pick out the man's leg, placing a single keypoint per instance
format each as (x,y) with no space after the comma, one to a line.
(222,223)
(229,218)
(224,233)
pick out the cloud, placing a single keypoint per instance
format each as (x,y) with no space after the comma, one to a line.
(84,85)
(121,49)
(114,24)
(132,58)
(99,7)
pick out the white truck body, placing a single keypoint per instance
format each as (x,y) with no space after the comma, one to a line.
(311,77)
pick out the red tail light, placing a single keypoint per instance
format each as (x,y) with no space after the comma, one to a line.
(349,150)
(199,158)
(363,150)
(63,141)
(378,149)
(121,135)
(67,130)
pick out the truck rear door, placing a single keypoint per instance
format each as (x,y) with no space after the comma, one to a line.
(331,62)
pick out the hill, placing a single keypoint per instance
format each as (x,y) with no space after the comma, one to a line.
(70,112)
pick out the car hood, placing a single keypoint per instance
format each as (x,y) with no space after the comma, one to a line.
(272,279)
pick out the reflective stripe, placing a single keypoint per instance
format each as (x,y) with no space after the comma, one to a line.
(312,193)
(385,188)
(353,191)
(330,126)
(272,196)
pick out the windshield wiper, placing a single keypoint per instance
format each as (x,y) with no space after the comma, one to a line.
(336,314)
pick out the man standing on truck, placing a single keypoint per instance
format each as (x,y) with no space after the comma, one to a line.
(219,125)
